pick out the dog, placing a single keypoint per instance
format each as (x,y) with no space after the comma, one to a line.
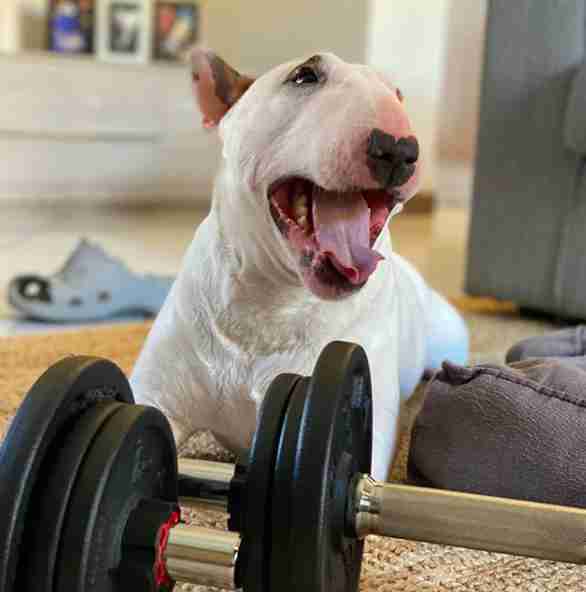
(317,156)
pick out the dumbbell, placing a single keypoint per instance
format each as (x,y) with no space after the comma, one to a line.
(90,488)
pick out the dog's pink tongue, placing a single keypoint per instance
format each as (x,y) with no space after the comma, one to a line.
(342,229)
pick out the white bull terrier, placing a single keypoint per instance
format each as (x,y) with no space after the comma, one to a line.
(318,154)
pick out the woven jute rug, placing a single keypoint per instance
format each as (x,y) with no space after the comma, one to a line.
(390,565)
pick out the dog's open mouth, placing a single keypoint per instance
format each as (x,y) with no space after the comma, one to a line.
(334,232)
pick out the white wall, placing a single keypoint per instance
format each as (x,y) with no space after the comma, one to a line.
(9,29)
(259,34)
(460,90)
(407,40)
(23,25)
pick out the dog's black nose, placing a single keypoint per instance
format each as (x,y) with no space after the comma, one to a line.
(391,162)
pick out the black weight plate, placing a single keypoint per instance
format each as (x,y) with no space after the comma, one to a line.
(48,513)
(254,558)
(282,524)
(334,444)
(132,458)
(49,409)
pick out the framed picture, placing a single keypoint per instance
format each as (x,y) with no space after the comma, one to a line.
(124,31)
(71,26)
(177,25)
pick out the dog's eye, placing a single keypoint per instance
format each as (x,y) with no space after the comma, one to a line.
(303,75)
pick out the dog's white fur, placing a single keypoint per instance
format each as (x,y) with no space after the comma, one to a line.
(239,314)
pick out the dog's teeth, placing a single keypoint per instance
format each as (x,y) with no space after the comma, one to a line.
(300,203)
(301,217)
(301,210)
(300,200)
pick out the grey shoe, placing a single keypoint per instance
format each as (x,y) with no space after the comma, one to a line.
(91,286)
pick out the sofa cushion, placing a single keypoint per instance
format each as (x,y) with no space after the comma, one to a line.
(575,124)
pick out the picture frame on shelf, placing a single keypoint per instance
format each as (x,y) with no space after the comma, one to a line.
(71,25)
(124,31)
(177,28)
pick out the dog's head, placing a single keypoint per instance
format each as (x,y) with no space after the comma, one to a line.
(328,150)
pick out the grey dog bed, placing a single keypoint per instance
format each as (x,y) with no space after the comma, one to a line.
(516,431)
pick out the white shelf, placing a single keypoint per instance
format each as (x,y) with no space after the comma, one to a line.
(77,128)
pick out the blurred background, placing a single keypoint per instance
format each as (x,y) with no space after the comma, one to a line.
(99,135)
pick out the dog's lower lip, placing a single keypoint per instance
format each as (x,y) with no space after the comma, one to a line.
(328,275)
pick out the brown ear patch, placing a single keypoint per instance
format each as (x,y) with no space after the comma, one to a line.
(230,84)
(216,85)
(399,95)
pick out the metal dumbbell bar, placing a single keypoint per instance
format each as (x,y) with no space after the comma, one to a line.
(544,531)
(90,492)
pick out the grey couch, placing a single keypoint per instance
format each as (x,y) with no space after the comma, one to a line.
(528,227)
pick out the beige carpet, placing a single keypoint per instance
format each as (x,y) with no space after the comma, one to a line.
(390,564)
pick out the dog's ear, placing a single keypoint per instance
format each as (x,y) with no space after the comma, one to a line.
(216,85)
